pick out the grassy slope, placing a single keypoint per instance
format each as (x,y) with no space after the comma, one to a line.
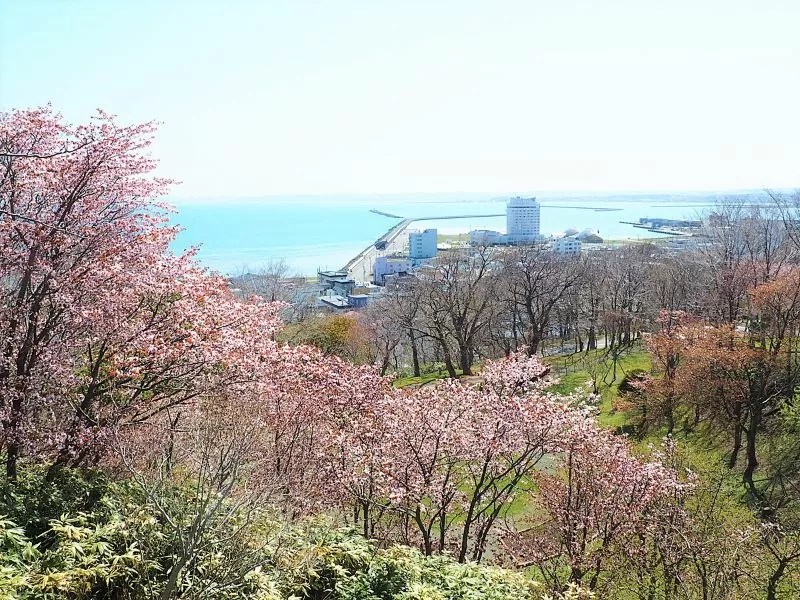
(704,451)
(576,370)
(410,380)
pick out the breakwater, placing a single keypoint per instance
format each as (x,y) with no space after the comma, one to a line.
(384,214)
(457,217)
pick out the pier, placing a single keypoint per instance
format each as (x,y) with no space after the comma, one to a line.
(384,214)
(656,229)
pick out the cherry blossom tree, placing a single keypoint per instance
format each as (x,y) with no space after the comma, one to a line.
(99,321)
(595,508)
(438,466)
(661,396)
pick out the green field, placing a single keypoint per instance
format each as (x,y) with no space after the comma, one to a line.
(576,371)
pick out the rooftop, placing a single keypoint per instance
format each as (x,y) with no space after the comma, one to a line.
(335,301)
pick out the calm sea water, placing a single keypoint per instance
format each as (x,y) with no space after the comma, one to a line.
(310,233)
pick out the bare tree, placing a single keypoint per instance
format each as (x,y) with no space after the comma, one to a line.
(199,467)
(401,304)
(275,281)
(459,303)
(383,332)
(536,281)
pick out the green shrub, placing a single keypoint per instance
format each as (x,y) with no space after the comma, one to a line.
(126,546)
(33,501)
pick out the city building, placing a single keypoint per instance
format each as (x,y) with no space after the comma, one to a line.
(335,302)
(389,265)
(338,281)
(358,300)
(486,237)
(566,245)
(522,220)
(422,244)
(368,288)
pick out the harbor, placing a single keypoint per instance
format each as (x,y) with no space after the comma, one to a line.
(394,241)
(360,267)
(678,227)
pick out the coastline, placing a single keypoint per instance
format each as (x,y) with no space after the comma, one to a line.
(237,236)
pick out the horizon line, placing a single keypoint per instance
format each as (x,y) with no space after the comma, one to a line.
(494,194)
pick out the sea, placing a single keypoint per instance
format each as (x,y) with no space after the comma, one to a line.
(241,235)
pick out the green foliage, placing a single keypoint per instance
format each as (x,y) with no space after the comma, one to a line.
(36,499)
(336,564)
(83,560)
(126,548)
(332,334)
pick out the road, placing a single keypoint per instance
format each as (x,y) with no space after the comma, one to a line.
(361,266)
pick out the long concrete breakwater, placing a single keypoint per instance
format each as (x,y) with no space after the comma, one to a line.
(457,217)
(361,266)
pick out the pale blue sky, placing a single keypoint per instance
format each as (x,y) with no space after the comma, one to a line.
(373,96)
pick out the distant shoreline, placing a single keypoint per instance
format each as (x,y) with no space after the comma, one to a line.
(311,234)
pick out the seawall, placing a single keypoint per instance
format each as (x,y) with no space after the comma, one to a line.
(360,267)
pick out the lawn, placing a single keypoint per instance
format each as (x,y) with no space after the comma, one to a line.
(419,380)
(576,370)
(704,451)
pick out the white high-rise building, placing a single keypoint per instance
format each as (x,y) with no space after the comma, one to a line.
(522,220)
(422,244)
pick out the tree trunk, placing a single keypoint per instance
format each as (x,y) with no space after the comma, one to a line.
(11,461)
(737,445)
(11,432)
(414,353)
(465,359)
(750,453)
(448,361)
(772,586)
(670,417)
(385,363)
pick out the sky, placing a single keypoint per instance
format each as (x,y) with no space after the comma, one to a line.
(372,96)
